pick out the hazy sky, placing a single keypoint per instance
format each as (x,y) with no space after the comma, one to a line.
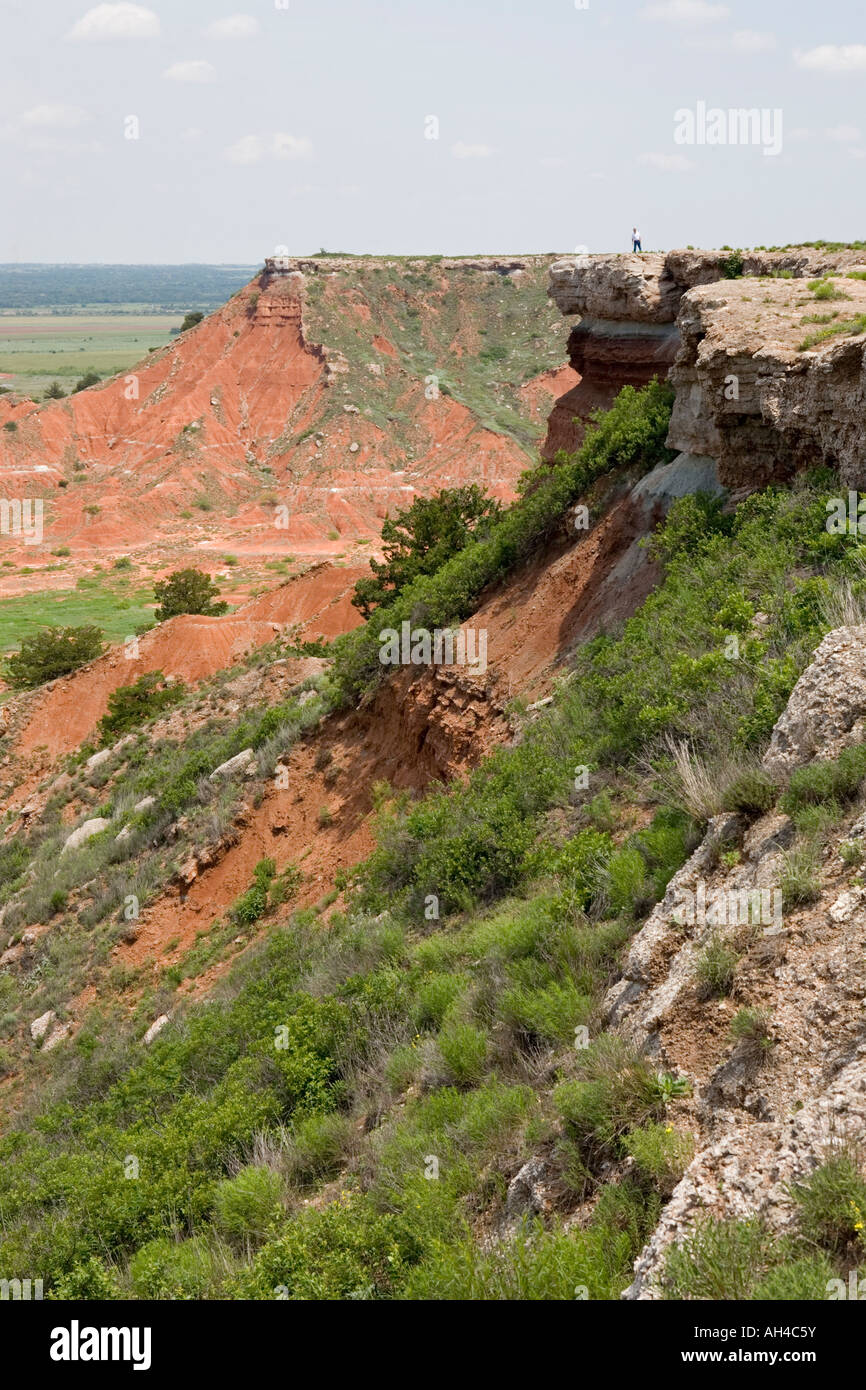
(306,124)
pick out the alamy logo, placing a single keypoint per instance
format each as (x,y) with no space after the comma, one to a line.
(22,518)
(737,126)
(730,907)
(856,1289)
(26,1289)
(846,518)
(441,647)
(77,1343)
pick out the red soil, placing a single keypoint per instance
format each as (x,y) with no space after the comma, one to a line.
(175,453)
(62,715)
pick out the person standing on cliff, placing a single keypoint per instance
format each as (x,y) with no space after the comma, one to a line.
(635,240)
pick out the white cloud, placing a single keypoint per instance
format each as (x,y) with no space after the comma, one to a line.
(192,70)
(248,150)
(751,41)
(831,57)
(845,134)
(122,21)
(253,149)
(462,151)
(552,161)
(666,163)
(235,26)
(52,118)
(685,12)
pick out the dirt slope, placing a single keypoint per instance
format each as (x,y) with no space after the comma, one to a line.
(292,420)
(61,716)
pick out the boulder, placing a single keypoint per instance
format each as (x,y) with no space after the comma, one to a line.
(57,1034)
(827,707)
(85,832)
(234,765)
(39,1027)
(155,1028)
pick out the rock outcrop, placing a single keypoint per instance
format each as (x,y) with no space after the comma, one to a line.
(769,378)
(751,391)
(827,707)
(760,1123)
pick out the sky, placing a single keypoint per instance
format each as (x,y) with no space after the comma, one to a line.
(198,132)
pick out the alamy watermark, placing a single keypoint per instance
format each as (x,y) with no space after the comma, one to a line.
(441,647)
(15,1289)
(728,907)
(22,517)
(739,125)
(847,516)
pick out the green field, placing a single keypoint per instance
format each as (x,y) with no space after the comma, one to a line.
(118,604)
(36,349)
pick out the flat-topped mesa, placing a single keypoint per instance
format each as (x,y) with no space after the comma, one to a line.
(768,378)
(277,267)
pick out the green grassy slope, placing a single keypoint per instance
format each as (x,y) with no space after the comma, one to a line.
(399,1062)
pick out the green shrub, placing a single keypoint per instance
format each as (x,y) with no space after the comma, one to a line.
(89,379)
(661,1154)
(826,781)
(616,1090)
(720,1260)
(580,867)
(435,995)
(535,1265)
(422,538)
(88,1279)
(753,792)
(464,1051)
(804,1280)
(549,1013)
(169,1269)
(627,886)
(53,652)
(130,706)
(715,969)
(317,1147)
(832,1204)
(345,1251)
(750,1031)
(244,1206)
(800,876)
(733,266)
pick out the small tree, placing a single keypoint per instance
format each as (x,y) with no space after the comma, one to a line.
(130,705)
(192,318)
(53,652)
(54,392)
(90,378)
(187,591)
(421,539)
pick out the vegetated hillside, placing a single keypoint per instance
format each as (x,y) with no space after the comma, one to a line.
(489,1057)
(292,420)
